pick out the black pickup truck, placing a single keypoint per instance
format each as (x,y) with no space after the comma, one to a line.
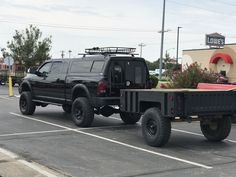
(87,85)
(213,108)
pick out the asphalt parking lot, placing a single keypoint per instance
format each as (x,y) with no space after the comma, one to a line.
(109,148)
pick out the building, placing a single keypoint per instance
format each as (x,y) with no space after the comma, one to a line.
(218,60)
(3,66)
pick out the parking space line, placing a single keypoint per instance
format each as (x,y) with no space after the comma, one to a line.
(55,131)
(118,142)
(6,98)
(32,133)
(181,131)
(198,134)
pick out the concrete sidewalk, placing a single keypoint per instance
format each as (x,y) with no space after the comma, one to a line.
(13,166)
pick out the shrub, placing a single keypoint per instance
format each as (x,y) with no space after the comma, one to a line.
(154,81)
(191,76)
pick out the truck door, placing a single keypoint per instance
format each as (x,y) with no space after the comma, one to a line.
(56,81)
(127,74)
(135,75)
(39,82)
(116,78)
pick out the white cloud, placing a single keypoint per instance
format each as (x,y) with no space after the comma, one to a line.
(110,22)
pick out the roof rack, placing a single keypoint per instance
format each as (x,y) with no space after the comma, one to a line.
(110,50)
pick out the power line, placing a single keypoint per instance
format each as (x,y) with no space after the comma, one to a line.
(225,3)
(91,28)
(197,7)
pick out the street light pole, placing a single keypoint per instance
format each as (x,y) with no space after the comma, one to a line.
(62,54)
(69,51)
(177,47)
(162,39)
(141,45)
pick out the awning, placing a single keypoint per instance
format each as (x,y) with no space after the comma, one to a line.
(227,58)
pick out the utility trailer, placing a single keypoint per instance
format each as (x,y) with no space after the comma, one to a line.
(160,107)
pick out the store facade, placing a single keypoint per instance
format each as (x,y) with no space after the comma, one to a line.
(218,60)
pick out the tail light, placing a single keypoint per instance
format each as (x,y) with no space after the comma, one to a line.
(102,87)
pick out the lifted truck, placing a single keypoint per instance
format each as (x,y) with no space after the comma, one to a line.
(160,107)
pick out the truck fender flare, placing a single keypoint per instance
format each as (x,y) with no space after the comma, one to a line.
(80,90)
(23,85)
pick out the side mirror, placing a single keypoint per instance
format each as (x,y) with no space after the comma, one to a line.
(31,70)
(37,73)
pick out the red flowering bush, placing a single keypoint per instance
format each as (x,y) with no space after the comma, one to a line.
(191,76)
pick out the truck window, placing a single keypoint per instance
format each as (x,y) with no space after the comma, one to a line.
(45,68)
(135,72)
(97,66)
(117,74)
(81,66)
(138,75)
(56,67)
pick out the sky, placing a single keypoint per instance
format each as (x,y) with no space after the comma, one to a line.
(78,24)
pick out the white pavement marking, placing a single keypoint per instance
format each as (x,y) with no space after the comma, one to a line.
(117,142)
(55,131)
(6,98)
(33,133)
(187,132)
(28,164)
(198,134)
(181,131)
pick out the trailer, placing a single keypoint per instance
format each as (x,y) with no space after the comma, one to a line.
(160,107)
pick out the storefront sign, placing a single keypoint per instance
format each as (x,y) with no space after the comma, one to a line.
(215,39)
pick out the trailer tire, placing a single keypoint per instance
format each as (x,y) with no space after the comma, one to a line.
(66,108)
(27,106)
(82,112)
(129,118)
(216,129)
(155,127)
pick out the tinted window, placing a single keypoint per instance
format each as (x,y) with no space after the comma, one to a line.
(56,67)
(97,66)
(138,75)
(117,74)
(81,66)
(45,68)
(65,67)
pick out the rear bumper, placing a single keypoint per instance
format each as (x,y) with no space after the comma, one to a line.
(103,101)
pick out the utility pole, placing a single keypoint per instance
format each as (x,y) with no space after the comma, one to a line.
(62,54)
(141,45)
(177,47)
(162,39)
(69,53)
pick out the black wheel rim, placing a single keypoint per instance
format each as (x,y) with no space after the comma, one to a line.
(23,104)
(151,127)
(78,113)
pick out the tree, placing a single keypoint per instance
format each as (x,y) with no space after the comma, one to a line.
(152,65)
(28,47)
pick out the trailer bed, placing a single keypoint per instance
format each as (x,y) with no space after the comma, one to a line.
(179,102)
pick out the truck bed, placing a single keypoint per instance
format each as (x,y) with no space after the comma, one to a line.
(179,102)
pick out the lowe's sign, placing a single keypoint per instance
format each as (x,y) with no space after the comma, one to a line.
(215,40)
